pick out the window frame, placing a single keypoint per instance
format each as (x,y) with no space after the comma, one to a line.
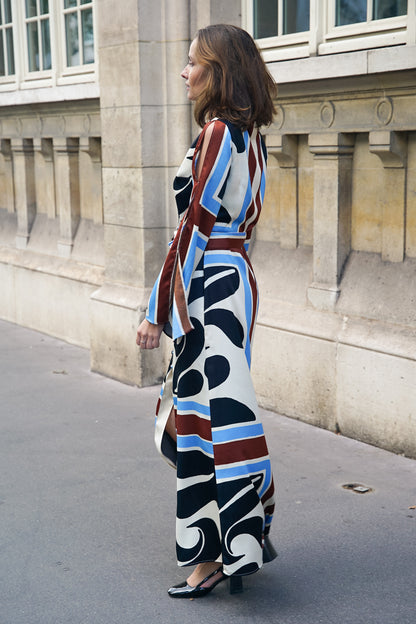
(325,38)
(293,45)
(39,74)
(59,74)
(86,68)
(369,34)
(8,77)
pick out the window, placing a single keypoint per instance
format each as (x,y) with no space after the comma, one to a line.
(295,16)
(289,29)
(6,39)
(356,11)
(46,43)
(38,35)
(279,17)
(79,33)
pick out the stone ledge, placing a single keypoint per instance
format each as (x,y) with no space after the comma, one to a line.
(51,265)
(123,296)
(45,95)
(363,62)
(386,338)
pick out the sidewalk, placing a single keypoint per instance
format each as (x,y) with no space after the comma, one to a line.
(87,510)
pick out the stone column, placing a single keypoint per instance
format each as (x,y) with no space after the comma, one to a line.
(285,149)
(67,191)
(332,214)
(145,129)
(7,191)
(91,180)
(45,177)
(391,148)
(24,188)
(205,12)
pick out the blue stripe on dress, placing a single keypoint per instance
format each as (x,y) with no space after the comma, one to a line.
(177,329)
(244,470)
(152,305)
(218,231)
(194,441)
(216,180)
(262,186)
(201,243)
(188,266)
(246,203)
(237,433)
(193,406)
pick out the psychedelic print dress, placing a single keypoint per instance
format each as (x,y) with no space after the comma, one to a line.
(206,294)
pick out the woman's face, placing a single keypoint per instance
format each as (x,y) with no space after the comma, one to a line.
(194,74)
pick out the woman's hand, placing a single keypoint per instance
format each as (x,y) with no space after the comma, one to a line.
(148,335)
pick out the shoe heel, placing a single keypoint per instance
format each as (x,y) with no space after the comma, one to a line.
(236,585)
(269,552)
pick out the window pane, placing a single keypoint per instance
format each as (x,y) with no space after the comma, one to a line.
(350,12)
(33,46)
(295,16)
(87,36)
(46,44)
(44,7)
(389,8)
(72,40)
(7,12)
(10,51)
(2,64)
(70,3)
(1,18)
(31,8)
(85,1)
(264,18)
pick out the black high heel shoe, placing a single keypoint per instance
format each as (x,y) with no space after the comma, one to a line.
(236,585)
(184,590)
(269,552)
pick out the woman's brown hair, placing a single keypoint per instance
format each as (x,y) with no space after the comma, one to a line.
(238,86)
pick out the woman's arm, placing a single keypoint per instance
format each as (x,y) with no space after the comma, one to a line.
(171,290)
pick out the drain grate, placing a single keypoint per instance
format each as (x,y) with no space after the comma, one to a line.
(357,487)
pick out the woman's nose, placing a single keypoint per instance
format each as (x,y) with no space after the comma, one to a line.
(184,73)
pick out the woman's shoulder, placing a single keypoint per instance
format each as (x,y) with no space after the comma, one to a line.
(215,128)
(214,125)
(220,127)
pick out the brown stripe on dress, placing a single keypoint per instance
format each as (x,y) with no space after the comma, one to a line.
(241,450)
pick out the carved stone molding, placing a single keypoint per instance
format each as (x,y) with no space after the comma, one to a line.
(87,124)
(279,118)
(331,144)
(44,146)
(390,147)
(91,146)
(305,115)
(327,114)
(65,145)
(5,148)
(19,145)
(284,147)
(384,110)
(332,214)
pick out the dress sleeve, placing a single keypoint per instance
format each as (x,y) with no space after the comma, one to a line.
(169,297)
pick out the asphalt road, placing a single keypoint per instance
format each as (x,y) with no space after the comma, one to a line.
(87,510)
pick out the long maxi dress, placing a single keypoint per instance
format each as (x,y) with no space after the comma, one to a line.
(206,293)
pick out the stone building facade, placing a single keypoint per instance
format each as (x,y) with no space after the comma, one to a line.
(94,121)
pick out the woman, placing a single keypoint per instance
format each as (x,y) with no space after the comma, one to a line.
(206,298)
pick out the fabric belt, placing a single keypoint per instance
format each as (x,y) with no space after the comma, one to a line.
(225,243)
